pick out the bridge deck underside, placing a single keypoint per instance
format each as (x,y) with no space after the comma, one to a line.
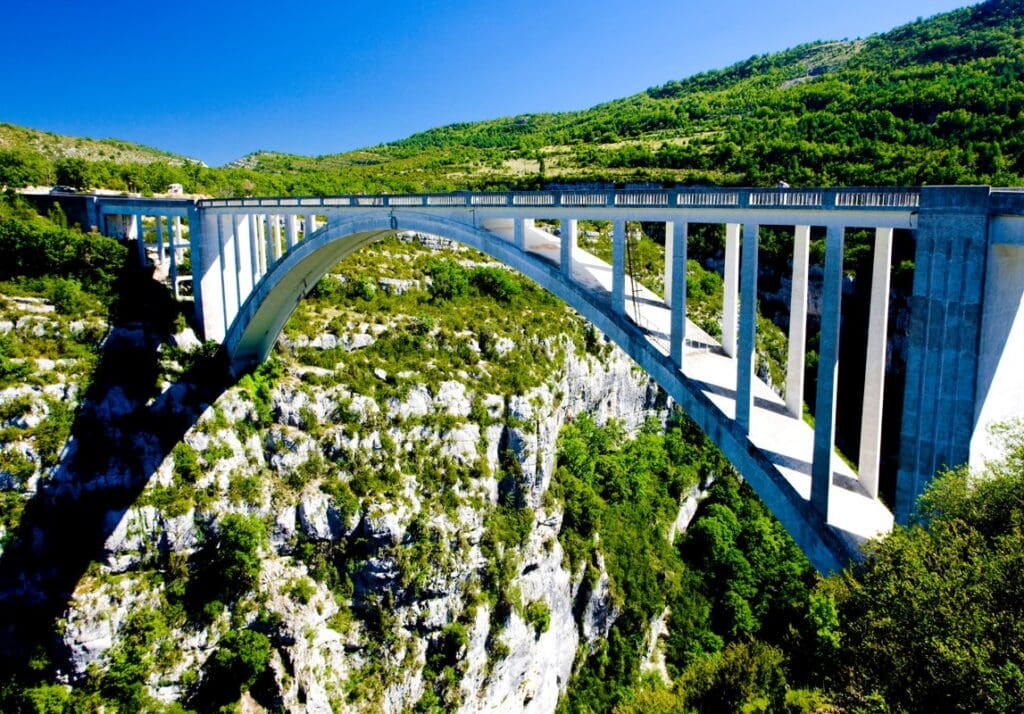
(787,442)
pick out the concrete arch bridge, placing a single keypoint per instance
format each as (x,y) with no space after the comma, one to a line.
(253,259)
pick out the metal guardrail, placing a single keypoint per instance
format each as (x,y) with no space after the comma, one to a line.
(782,198)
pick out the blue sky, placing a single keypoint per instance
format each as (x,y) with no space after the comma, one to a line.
(216,80)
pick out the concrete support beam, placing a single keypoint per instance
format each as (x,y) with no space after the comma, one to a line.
(174,236)
(291,229)
(676,238)
(946,310)
(229,271)
(669,252)
(311,226)
(568,246)
(519,233)
(243,256)
(159,240)
(208,273)
(798,322)
(748,327)
(874,367)
(270,250)
(140,236)
(730,297)
(619,267)
(828,372)
(255,245)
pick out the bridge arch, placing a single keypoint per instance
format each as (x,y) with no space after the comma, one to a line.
(262,316)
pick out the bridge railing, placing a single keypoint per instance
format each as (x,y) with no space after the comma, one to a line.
(681,197)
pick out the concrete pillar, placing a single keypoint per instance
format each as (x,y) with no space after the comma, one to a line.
(174,235)
(798,322)
(270,249)
(254,248)
(140,236)
(730,296)
(568,246)
(939,400)
(874,366)
(519,234)
(677,295)
(310,226)
(669,252)
(828,372)
(619,267)
(291,228)
(208,273)
(159,240)
(748,327)
(229,271)
(243,256)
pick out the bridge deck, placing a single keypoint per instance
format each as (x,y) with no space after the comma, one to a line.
(787,441)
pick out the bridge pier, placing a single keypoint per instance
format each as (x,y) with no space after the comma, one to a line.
(945,333)
(731,288)
(875,364)
(619,267)
(675,289)
(748,325)
(797,337)
(828,372)
(567,248)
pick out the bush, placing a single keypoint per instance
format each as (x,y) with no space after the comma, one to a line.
(448,279)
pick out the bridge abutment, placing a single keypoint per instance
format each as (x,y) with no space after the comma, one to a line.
(944,337)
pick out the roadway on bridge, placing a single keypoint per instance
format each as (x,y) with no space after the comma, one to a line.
(787,441)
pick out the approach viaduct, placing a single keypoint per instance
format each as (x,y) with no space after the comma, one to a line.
(253,259)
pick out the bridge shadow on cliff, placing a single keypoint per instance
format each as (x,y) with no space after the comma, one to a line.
(124,428)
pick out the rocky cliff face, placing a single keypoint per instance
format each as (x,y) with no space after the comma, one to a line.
(411,550)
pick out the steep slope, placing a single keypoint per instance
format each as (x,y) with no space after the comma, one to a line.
(59,146)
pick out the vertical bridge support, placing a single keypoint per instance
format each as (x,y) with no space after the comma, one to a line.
(945,332)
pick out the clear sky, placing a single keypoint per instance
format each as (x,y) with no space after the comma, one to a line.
(216,80)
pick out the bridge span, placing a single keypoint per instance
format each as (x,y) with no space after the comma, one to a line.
(253,259)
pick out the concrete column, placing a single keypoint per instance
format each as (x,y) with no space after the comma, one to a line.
(828,372)
(229,271)
(207,273)
(748,327)
(519,234)
(874,366)
(310,226)
(669,252)
(730,297)
(140,235)
(798,322)
(291,228)
(174,235)
(243,256)
(270,249)
(254,248)
(159,240)
(619,267)
(568,246)
(677,295)
(943,357)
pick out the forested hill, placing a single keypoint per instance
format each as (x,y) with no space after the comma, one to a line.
(935,101)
